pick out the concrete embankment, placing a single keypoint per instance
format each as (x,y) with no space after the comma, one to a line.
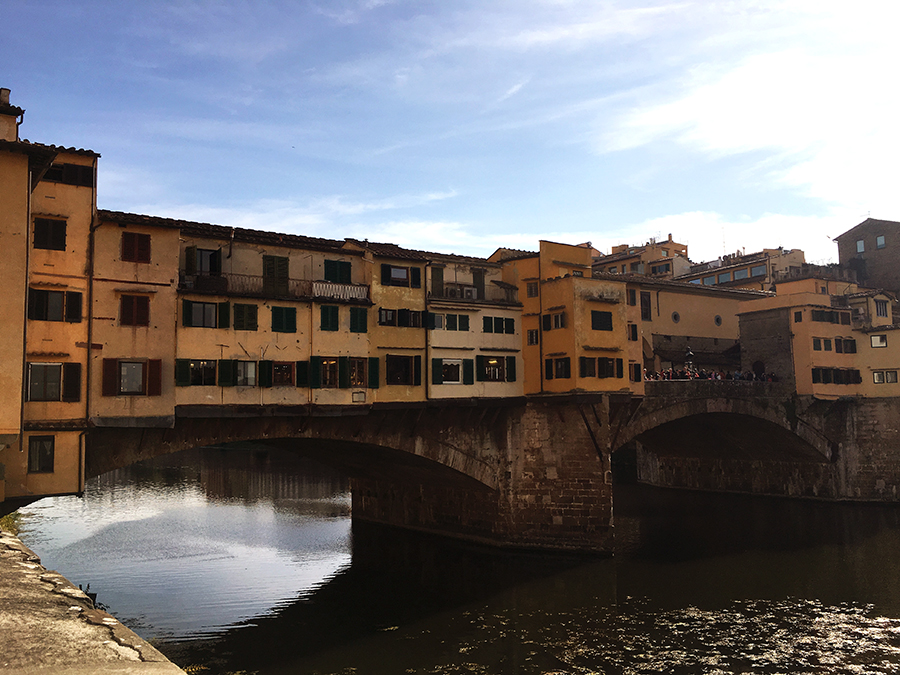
(47,625)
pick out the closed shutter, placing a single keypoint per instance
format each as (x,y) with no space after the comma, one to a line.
(331,270)
(154,377)
(488,324)
(73,307)
(110,377)
(498,324)
(510,368)
(142,311)
(385,275)
(266,373)
(510,326)
(468,371)
(429,320)
(374,374)
(478,280)
(227,373)
(620,368)
(415,277)
(546,322)
(315,372)
(224,318)
(344,372)
(437,371)
(126,310)
(548,369)
(345,270)
(403,317)
(290,320)
(190,260)
(187,313)
(464,322)
(480,367)
(417,371)
(302,373)
(215,263)
(71,384)
(437,282)
(182,372)
(143,248)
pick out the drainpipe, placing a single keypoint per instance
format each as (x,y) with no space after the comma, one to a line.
(89,307)
(540,319)
(22,393)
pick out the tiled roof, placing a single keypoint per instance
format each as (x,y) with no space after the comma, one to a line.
(211,231)
(513,254)
(56,148)
(389,250)
(867,224)
(684,285)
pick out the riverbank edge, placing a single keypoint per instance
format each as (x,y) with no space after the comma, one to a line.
(48,625)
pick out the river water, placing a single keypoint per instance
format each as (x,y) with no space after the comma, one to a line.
(246,561)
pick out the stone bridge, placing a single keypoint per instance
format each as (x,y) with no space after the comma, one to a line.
(538,471)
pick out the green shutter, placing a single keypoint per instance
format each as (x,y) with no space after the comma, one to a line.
(227,373)
(415,277)
(464,322)
(224,315)
(498,324)
(452,321)
(510,368)
(344,270)
(373,372)
(302,373)
(315,372)
(620,368)
(190,260)
(265,374)
(487,324)
(277,319)
(344,372)
(510,325)
(437,371)
(468,371)
(215,263)
(480,367)
(548,369)
(331,270)
(182,372)
(417,369)
(429,320)
(187,313)
(290,323)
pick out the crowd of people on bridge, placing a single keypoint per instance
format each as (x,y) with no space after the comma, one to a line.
(690,373)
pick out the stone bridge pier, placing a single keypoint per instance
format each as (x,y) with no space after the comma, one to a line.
(529,473)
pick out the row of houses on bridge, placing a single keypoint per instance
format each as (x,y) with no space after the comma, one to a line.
(128,320)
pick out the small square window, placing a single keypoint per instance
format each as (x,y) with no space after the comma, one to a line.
(40,454)
(531,289)
(131,377)
(135,247)
(881,308)
(245,375)
(50,234)
(451,371)
(879,241)
(282,374)
(533,336)
(890,376)
(860,246)
(358,372)
(878,341)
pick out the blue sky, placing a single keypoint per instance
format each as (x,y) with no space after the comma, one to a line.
(463,126)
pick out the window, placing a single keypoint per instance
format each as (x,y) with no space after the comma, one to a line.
(50,234)
(436,321)
(587,367)
(492,368)
(878,377)
(844,346)
(275,275)
(533,336)
(723,277)
(860,246)
(696,281)
(330,318)
(601,320)
(828,316)
(646,310)
(881,308)
(878,341)
(890,376)
(359,320)
(758,271)
(203,373)
(709,281)
(329,372)
(387,317)
(458,322)
(631,294)
(451,371)
(40,454)
(798,317)
(403,370)
(563,368)
(337,271)
(135,247)
(399,317)
(632,332)
(358,372)
(826,344)
(284,319)
(44,381)
(836,376)
(531,289)
(391,275)
(54,305)
(70,174)
(559,320)
(660,269)
(879,241)
(282,374)
(204,262)
(741,274)
(634,372)
(817,344)
(246,317)
(132,377)
(134,310)
(200,314)
(498,324)
(245,373)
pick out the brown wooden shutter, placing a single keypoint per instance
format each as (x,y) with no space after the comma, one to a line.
(154,377)
(71,389)
(110,377)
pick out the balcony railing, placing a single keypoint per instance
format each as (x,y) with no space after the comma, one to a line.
(272,287)
(467,293)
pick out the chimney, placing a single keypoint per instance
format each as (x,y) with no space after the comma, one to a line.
(4,96)
(9,117)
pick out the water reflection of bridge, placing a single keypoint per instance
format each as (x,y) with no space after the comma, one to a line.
(537,472)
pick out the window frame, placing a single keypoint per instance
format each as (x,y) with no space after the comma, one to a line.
(878,341)
(49,234)
(38,461)
(134,310)
(135,247)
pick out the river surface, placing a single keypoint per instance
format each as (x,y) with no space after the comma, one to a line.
(246,561)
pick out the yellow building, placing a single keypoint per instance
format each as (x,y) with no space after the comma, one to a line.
(474,323)
(397,335)
(49,199)
(826,338)
(657,259)
(757,271)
